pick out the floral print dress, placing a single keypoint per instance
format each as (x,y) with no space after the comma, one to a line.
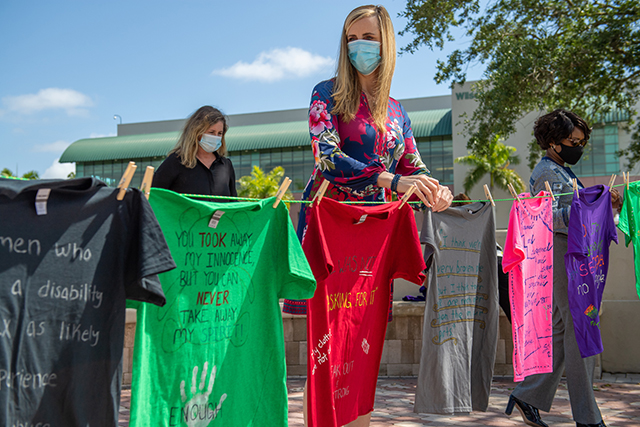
(352,155)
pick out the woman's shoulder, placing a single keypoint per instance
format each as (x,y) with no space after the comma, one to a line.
(225,161)
(324,89)
(396,111)
(546,166)
(171,161)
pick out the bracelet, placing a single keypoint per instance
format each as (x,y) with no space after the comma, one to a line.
(394,183)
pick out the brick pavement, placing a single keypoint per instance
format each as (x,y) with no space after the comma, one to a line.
(618,397)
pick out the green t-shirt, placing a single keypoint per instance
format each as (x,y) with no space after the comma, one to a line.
(214,354)
(630,224)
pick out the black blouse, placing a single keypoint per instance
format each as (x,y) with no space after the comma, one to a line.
(217,180)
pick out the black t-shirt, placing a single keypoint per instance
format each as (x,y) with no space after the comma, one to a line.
(64,278)
(217,180)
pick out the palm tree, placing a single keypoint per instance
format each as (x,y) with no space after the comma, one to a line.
(6,173)
(259,185)
(492,159)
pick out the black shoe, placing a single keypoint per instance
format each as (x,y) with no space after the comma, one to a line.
(600,424)
(530,414)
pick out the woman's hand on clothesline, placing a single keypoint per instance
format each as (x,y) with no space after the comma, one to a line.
(428,190)
(444,199)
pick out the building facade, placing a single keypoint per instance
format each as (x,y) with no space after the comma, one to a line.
(281,138)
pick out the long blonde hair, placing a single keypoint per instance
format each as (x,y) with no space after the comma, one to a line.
(187,146)
(346,91)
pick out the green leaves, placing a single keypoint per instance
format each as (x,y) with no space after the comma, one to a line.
(492,159)
(7,173)
(259,185)
(582,55)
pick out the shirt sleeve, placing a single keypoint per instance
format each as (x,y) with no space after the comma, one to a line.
(315,246)
(232,182)
(409,263)
(146,251)
(576,235)
(427,237)
(626,218)
(513,247)
(166,173)
(410,163)
(337,166)
(611,227)
(293,271)
(557,183)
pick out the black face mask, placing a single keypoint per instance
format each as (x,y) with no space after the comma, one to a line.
(570,155)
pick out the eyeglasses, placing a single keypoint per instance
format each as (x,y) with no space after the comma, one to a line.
(575,142)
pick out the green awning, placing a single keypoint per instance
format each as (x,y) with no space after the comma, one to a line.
(120,147)
(239,138)
(430,123)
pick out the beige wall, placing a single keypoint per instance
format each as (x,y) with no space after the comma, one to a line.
(620,319)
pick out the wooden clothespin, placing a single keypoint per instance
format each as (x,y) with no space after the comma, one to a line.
(407,195)
(126,179)
(283,189)
(513,192)
(626,181)
(612,181)
(548,187)
(146,181)
(487,194)
(575,186)
(320,193)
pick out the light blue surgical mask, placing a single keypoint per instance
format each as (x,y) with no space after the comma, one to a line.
(364,55)
(210,143)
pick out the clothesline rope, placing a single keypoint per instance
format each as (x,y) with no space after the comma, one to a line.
(249,199)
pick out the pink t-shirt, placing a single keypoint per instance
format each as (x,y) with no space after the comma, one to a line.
(528,258)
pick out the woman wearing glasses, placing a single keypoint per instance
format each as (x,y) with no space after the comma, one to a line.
(563,135)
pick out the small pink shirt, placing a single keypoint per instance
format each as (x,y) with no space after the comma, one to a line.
(528,258)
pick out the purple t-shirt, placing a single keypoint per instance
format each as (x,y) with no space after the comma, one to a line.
(591,230)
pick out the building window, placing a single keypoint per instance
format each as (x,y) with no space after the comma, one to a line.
(437,155)
(599,156)
(110,171)
(297,163)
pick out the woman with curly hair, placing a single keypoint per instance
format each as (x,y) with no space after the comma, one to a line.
(563,135)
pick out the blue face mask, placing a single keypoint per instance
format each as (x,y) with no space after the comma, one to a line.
(210,143)
(364,55)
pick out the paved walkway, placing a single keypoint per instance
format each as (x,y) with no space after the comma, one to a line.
(618,397)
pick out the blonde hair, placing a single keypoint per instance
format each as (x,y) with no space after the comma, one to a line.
(347,89)
(187,146)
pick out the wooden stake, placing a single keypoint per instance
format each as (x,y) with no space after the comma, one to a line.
(282,190)
(548,187)
(487,194)
(146,181)
(126,179)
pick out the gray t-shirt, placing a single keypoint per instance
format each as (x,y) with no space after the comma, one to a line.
(460,331)
(64,278)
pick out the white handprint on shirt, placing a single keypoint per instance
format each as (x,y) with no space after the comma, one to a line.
(198,411)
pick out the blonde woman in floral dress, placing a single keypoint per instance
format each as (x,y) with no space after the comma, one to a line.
(361,138)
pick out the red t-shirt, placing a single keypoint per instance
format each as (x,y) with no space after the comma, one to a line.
(355,252)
